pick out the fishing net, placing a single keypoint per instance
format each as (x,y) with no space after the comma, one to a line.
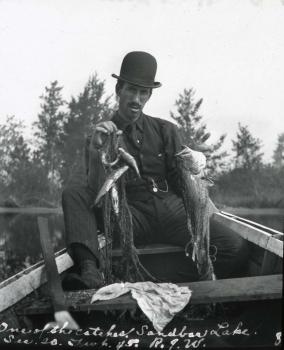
(118,217)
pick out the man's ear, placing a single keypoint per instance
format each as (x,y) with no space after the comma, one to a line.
(117,89)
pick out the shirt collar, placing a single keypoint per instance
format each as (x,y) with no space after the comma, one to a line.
(122,125)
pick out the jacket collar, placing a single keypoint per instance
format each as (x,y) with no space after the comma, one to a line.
(122,125)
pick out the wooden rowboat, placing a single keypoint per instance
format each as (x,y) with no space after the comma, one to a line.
(25,303)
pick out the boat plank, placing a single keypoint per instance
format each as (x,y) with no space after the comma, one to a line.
(203,292)
(28,270)
(53,278)
(252,234)
(24,283)
(152,249)
(31,210)
(254,224)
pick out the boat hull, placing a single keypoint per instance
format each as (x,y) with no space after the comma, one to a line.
(242,305)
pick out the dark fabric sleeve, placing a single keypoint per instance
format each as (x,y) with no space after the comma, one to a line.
(173,145)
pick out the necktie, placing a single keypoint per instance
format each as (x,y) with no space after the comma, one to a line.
(132,134)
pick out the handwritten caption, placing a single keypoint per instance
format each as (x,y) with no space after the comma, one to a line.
(115,338)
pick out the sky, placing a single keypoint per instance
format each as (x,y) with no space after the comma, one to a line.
(231,52)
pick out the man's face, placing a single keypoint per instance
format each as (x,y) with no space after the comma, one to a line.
(132,100)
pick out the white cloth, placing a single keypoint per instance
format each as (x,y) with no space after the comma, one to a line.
(159,301)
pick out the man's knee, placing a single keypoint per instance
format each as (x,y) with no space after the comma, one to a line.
(70,193)
(77,195)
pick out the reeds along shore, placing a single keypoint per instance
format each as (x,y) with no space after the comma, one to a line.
(258,188)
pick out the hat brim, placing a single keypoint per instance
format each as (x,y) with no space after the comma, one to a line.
(156,84)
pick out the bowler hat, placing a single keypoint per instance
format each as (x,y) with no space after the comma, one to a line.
(139,68)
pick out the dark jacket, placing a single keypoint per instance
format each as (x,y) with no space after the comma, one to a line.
(153,142)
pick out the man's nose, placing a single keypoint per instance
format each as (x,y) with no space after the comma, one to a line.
(137,97)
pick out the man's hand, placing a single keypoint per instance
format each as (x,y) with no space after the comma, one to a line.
(193,161)
(202,147)
(107,127)
(101,132)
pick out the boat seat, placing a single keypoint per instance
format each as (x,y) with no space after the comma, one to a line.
(146,249)
(152,249)
(203,292)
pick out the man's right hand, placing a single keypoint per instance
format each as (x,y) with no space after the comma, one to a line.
(101,132)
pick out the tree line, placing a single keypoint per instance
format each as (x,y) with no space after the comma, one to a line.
(34,170)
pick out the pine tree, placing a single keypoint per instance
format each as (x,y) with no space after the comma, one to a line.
(49,128)
(10,140)
(194,132)
(278,154)
(247,150)
(15,160)
(90,107)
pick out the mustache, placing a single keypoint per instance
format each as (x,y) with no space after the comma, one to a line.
(134,105)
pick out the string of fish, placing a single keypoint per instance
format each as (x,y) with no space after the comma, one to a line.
(116,213)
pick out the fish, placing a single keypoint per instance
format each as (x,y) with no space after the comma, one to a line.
(191,165)
(110,181)
(115,174)
(129,159)
(115,199)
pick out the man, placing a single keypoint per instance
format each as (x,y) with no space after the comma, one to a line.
(154,199)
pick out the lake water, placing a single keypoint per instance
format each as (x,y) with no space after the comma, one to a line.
(20,243)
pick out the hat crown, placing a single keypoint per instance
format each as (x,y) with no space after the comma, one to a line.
(139,68)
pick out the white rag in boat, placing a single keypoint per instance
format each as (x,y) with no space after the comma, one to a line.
(160,302)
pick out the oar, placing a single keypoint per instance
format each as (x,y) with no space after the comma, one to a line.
(61,315)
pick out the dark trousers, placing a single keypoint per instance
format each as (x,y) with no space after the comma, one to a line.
(155,220)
